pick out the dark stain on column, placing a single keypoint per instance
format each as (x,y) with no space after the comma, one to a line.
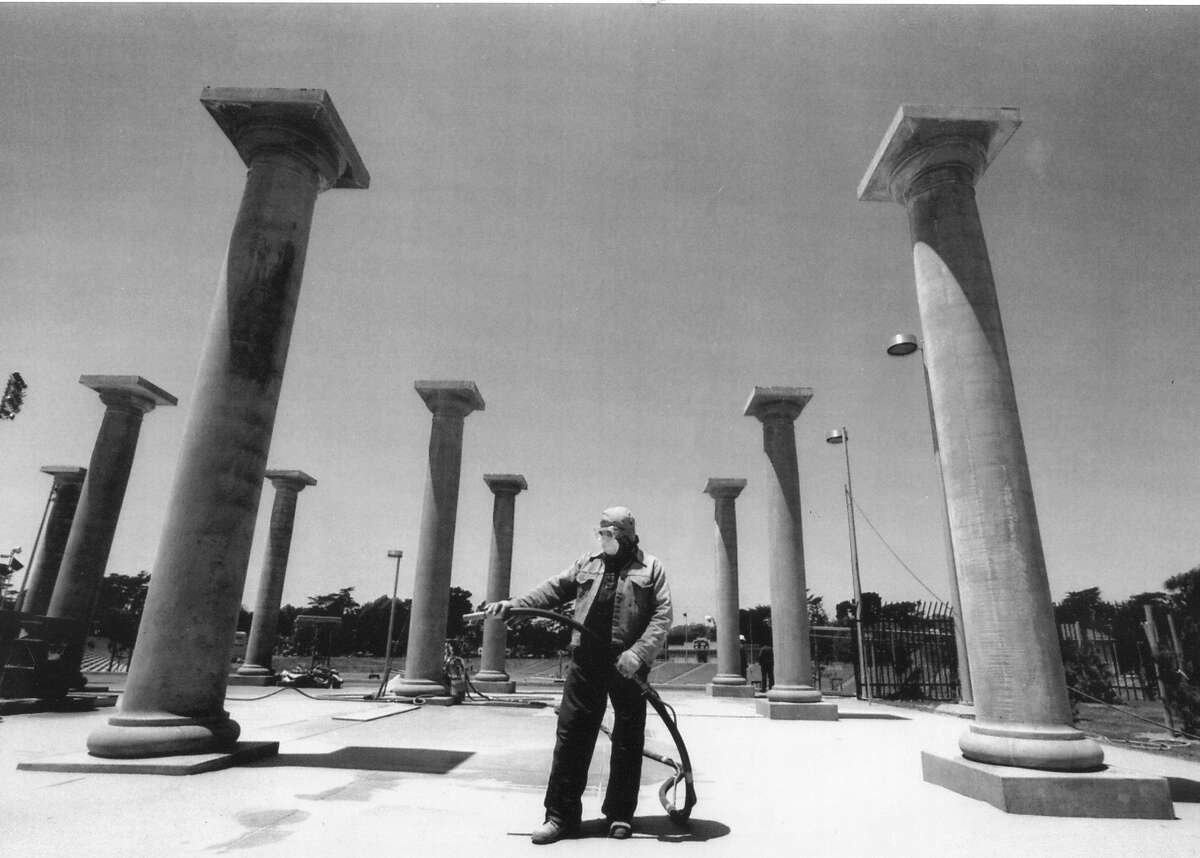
(259,314)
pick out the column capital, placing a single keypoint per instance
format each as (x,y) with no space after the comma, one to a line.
(962,141)
(302,122)
(65,474)
(455,398)
(777,403)
(505,484)
(724,487)
(128,390)
(290,479)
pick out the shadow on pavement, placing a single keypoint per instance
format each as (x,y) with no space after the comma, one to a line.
(1185,790)
(660,828)
(423,760)
(870,716)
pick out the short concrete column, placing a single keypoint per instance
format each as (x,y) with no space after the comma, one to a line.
(729,681)
(793,696)
(295,146)
(64,500)
(450,402)
(261,643)
(127,398)
(929,162)
(492,676)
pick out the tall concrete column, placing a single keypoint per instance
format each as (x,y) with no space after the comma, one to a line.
(261,643)
(929,162)
(127,398)
(295,146)
(729,681)
(793,696)
(450,402)
(64,501)
(492,676)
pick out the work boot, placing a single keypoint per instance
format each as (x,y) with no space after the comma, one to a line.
(619,829)
(552,830)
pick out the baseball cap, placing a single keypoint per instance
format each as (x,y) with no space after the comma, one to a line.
(621,518)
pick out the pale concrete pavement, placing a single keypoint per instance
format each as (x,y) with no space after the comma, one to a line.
(469,780)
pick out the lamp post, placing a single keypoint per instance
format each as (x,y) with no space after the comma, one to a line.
(900,346)
(841,436)
(387,661)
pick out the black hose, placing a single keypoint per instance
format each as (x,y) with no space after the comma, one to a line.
(683,769)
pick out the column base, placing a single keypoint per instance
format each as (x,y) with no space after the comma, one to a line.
(412,688)
(719,690)
(134,735)
(494,686)
(259,680)
(187,764)
(1107,794)
(254,670)
(1052,747)
(794,694)
(776,711)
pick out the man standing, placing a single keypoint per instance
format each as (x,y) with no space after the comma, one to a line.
(766,661)
(621,596)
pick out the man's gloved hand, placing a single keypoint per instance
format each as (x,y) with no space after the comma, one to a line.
(498,610)
(628,664)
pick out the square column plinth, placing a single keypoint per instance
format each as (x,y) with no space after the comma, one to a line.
(777,711)
(1107,794)
(715,690)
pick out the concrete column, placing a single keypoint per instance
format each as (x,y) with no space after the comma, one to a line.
(929,162)
(64,500)
(450,402)
(261,643)
(793,696)
(729,681)
(127,398)
(492,676)
(295,146)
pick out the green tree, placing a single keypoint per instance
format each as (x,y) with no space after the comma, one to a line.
(118,613)
(1086,608)
(337,604)
(372,626)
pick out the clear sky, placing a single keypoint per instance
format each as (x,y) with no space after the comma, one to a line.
(616,221)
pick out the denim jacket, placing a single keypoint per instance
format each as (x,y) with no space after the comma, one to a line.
(641,605)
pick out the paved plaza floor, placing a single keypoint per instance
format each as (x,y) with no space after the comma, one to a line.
(467,781)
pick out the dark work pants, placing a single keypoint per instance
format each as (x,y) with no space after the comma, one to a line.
(588,687)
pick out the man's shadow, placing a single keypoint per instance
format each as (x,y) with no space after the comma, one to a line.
(660,828)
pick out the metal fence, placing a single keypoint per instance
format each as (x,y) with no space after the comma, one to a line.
(910,656)
(1126,660)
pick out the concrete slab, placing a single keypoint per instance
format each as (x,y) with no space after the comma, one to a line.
(260,681)
(185,764)
(375,713)
(470,779)
(1110,794)
(795,711)
(78,702)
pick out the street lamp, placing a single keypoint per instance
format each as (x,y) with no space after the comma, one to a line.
(387,662)
(841,436)
(900,346)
